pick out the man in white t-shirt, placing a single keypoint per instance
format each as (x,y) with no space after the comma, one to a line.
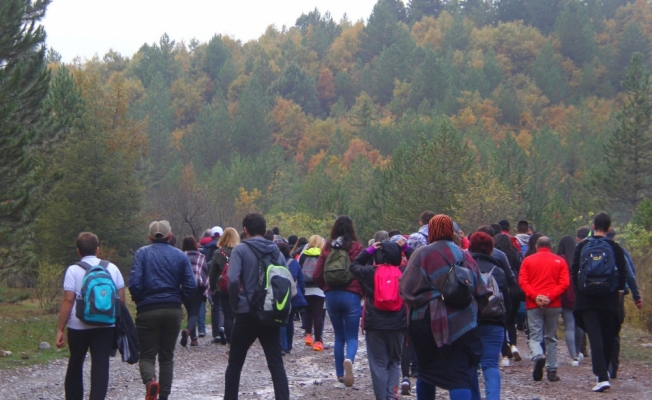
(82,337)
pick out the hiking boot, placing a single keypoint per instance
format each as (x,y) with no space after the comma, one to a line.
(515,353)
(151,390)
(184,337)
(602,386)
(194,342)
(505,362)
(308,339)
(318,346)
(539,364)
(552,376)
(348,373)
(405,387)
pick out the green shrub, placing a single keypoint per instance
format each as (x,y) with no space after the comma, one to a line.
(48,287)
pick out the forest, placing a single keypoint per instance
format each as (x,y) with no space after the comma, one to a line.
(480,109)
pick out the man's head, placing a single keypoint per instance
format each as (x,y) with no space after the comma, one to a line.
(602,223)
(425,217)
(581,234)
(487,229)
(269,235)
(497,229)
(160,230)
(254,224)
(522,226)
(87,244)
(544,242)
(393,232)
(504,225)
(216,232)
(381,236)
(276,230)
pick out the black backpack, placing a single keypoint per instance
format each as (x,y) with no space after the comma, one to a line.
(598,273)
(457,291)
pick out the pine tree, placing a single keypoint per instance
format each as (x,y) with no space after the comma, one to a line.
(252,132)
(575,32)
(627,177)
(548,74)
(294,84)
(632,40)
(381,30)
(418,9)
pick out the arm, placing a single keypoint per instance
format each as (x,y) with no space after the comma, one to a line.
(563,282)
(301,283)
(503,263)
(188,281)
(235,269)
(318,274)
(214,273)
(621,263)
(361,269)
(575,267)
(524,281)
(136,276)
(632,283)
(64,314)
(121,294)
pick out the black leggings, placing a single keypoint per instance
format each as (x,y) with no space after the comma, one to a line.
(314,315)
(193,304)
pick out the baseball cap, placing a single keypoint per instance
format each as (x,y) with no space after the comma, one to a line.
(160,229)
(216,231)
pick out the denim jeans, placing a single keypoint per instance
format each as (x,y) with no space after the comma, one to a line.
(569,328)
(344,311)
(287,334)
(427,392)
(492,341)
(201,321)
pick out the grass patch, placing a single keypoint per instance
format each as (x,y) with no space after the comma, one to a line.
(632,340)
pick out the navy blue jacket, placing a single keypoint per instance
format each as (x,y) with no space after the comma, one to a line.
(295,269)
(161,277)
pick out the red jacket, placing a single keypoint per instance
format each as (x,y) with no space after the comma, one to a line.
(318,274)
(544,273)
(515,242)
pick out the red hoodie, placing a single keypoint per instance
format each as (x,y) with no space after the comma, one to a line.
(544,273)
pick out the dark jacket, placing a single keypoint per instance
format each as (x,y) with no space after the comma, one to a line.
(375,319)
(161,277)
(208,251)
(216,267)
(485,264)
(503,263)
(318,276)
(295,269)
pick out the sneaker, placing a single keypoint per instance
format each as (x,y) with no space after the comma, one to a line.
(193,342)
(539,364)
(151,390)
(202,334)
(405,387)
(348,373)
(580,357)
(504,362)
(318,346)
(308,339)
(184,337)
(340,383)
(602,386)
(552,376)
(575,362)
(283,353)
(515,353)
(216,340)
(222,337)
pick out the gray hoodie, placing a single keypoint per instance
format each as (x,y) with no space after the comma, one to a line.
(243,270)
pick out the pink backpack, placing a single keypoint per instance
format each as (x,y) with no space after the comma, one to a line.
(386,289)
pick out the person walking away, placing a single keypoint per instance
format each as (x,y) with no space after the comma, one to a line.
(243,274)
(83,337)
(161,279)
(597,300)
(192,305)
(343,299)
(420,237)
(385,314)
(543,278)
(522,235)
(314,295)
(445,335)
(218,284)
(208,250)
(298,301)
(566,249)
(492,326)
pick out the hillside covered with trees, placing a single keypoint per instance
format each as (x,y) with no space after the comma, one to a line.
(517,109)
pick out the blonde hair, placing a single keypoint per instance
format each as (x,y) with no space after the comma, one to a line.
(315,241)
(230,238)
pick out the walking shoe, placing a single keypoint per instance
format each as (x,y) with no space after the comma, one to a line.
(318,346)
(202,334)
(405,387)
(151,390)
(348,373)
(539,364)
(184,337)
(193,342)
(216,340)
(580,357)
(602,386)
(515,353)
(504,362)
(308,339)
(575,362)
(222,337)
(552,376)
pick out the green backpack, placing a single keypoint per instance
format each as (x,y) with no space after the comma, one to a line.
(336,269)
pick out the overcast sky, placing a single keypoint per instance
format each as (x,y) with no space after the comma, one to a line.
(87,27)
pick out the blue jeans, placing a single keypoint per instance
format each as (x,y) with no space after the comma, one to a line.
(201,322)
(287,333)
(492,341)
(426,391)
(344,311)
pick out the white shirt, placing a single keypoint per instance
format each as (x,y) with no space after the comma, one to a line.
(73,283)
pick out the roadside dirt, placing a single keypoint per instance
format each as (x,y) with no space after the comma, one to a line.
(199,375)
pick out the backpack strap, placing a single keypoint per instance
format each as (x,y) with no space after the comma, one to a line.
(87,267)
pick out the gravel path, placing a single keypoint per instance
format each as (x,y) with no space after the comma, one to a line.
(311,376)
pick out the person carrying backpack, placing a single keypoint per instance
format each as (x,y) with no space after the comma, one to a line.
(343,293)
(492,325)
(218,284)
(314,312)
(90,274)
(193,304)
(385,314)
(244,288)
(599,274)
(298,301)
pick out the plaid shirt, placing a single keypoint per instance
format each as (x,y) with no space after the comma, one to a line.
(199,269)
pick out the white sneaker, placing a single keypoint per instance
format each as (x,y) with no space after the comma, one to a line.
(575,362)
(504,362)
(602,386)
(515,353)
(580,357)
(348,373)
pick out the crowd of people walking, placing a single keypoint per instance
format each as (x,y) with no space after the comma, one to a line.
(436,305)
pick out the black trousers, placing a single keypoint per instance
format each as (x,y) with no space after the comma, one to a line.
(245,332)
(193,304)
(602,327)
(315,315)
(229,315)
(100,343)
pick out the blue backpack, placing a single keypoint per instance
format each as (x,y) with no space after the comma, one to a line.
(97,303)
(598,273)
